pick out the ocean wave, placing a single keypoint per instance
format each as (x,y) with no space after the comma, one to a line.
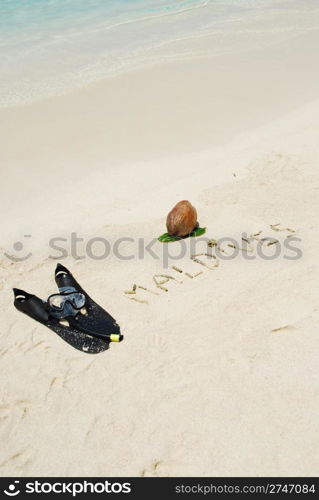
(51,46)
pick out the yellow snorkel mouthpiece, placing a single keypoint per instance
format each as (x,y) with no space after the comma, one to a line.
(115,337)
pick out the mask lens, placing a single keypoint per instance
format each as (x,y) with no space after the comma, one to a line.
(77,300)
(58,302)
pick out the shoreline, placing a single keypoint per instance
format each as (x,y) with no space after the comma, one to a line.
(216,31)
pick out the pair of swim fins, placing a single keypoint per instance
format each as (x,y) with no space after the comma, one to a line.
(71,314)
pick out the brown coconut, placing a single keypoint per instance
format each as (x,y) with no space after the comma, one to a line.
(182,219)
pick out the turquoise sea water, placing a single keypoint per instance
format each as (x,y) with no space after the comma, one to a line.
(48,46)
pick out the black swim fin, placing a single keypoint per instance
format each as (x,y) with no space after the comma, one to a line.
(90,331)
(96,321)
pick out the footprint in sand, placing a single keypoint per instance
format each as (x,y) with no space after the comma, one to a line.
(156,342)
(18,460)
(14,412)
(152,470)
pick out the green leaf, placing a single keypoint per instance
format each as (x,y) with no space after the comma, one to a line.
(199,231)
(166,238)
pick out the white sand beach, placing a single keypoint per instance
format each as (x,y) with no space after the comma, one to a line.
(218,375)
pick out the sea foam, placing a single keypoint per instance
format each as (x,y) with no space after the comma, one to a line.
(51,46)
